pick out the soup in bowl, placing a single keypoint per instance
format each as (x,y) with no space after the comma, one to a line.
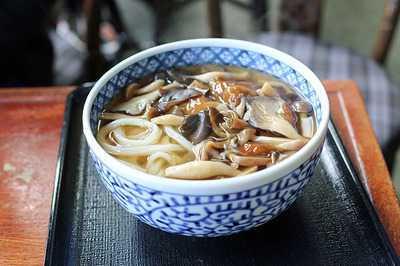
(206,137)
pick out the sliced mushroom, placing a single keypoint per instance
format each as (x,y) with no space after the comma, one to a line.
(230,92)
(301,107)
(130,90)
(266,113)
(216,118)
(152,112)
(256,149)
(168,120)
(282,144)
(267,149)
(172,85)
(245,135)
(237,124)
(201,170)
(155,85)
(196,127)
(268,90)
(200,103)
(137,104)
(180,75)
(211,150)
(241,108)
(293,145)
(175,96)
(175,110)
(197,85)
(307,126)
(285,92)
(249,160)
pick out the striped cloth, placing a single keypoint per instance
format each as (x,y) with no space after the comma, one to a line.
(327,61)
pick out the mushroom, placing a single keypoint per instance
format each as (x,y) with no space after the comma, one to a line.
(233,93)
(267,90)
(282,144)
(137,104)
(155,85)
(216,118)
(175,96)
(200,103)
(307,125)
(201,170)
(180,75)
(256,149)
(249,160)
(267,113)
(240,109)
(267,149)
(245,135)
(293,145)
(152,112)
(284,91)
(301,107)
(236,123)
(168,120)
(172,85)
(175,110)
(197,85)
(196,127)
(131,89)
(209,150)
(207,77)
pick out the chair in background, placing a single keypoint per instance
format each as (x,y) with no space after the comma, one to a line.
(298,35)
(298,32)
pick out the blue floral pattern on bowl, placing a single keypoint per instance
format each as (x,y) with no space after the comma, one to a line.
(206,215)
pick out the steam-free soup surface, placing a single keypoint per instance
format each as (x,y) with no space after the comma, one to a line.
(205,122)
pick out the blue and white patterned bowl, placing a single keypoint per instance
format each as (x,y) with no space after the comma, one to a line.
(207,208)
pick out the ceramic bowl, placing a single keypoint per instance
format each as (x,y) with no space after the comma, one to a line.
(207,208)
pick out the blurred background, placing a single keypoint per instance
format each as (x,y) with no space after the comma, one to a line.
(69,42)
(350,23)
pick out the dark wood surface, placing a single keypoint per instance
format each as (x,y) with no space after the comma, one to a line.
(30,129)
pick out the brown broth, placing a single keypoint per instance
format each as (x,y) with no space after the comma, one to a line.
(217,115)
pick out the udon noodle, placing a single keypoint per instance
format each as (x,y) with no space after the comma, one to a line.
(205,122)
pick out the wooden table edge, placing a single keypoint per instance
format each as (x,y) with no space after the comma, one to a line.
(353,124)
(349,118)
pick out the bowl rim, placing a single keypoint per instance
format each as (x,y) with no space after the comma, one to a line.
(219,186)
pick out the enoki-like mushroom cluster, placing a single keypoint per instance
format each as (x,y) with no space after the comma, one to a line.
(206,122)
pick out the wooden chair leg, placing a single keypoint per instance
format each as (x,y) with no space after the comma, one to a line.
(386,30)
(95,61)
(214,18)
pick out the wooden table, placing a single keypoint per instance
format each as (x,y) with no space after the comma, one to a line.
(30,129)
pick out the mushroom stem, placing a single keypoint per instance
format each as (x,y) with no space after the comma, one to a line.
(249,160)
(207,77)
(168,120)
(201,170)
(155,85)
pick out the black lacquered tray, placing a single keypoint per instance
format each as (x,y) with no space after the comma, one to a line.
(331,223)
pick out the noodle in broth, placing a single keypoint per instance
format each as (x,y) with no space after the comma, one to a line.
(205,122)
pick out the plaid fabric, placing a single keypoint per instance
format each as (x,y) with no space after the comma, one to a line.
(327,61)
